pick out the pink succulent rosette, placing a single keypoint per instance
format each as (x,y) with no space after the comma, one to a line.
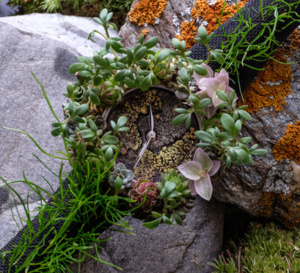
(141,188)
(209,84)
(199,172)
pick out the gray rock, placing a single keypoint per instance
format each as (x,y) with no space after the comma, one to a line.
(73,31)
(23,107)
(166,249)
(22,49)
(168,25)
(267,188)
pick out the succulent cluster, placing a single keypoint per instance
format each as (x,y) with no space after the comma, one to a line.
(199,171)
(120,172)
(101,83)
(145,193)
(173,192)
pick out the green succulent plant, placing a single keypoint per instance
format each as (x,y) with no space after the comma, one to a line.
(174,192)
(123,173)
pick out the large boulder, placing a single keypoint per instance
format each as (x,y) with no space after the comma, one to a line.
(47,49)
(270,187)
(166,249)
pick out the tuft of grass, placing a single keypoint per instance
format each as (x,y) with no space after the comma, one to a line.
(70,220)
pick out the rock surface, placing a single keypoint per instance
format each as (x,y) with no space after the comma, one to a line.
(267,188)
(73,31)
(168,25)
(47,50)
(166,249)
(23,49)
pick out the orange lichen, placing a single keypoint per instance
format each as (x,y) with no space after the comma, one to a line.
(293,43)
(145,11)
(290,215)
(271,86)
(284,206)
(266,204)
(188,31)
(289,145)
(211,14)
(144,32)
(220,11)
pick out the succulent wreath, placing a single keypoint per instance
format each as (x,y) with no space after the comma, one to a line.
(103,80)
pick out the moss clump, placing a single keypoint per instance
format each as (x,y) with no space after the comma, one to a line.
(268,249)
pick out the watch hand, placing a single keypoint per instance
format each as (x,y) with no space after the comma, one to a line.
(150,135)
(151,119)
(142,152)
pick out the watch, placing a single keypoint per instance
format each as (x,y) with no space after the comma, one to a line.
(153,145)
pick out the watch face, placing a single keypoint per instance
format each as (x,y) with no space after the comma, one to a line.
(167,146)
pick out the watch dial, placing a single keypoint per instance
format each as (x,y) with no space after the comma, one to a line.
(171,146)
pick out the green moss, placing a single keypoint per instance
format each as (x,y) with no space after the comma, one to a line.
(268,249)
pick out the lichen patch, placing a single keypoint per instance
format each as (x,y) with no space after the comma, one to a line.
(147,12)
(271,86)
(289,145)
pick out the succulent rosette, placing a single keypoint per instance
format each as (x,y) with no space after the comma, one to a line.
(141,188)
(199,172)
(210,84)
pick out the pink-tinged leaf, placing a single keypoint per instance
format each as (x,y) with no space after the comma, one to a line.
(202,157)
(210,72)
(228,90)
(216,100)
(202,95)
(208,84)
(198,77)
(192,188)
(204,187)
(190,170)
(223,76)
(210,111)
(216,166)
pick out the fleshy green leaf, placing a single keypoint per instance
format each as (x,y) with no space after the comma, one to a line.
(152,224)
(55,132)
(204,136)
(80,110)
(259,152)
(179,119)
(228,123)
(162,55)
(118,182)
(169,187)
(76,67)
(140,53)
(122,121)
(110,139)
(151,42)
(146,83)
